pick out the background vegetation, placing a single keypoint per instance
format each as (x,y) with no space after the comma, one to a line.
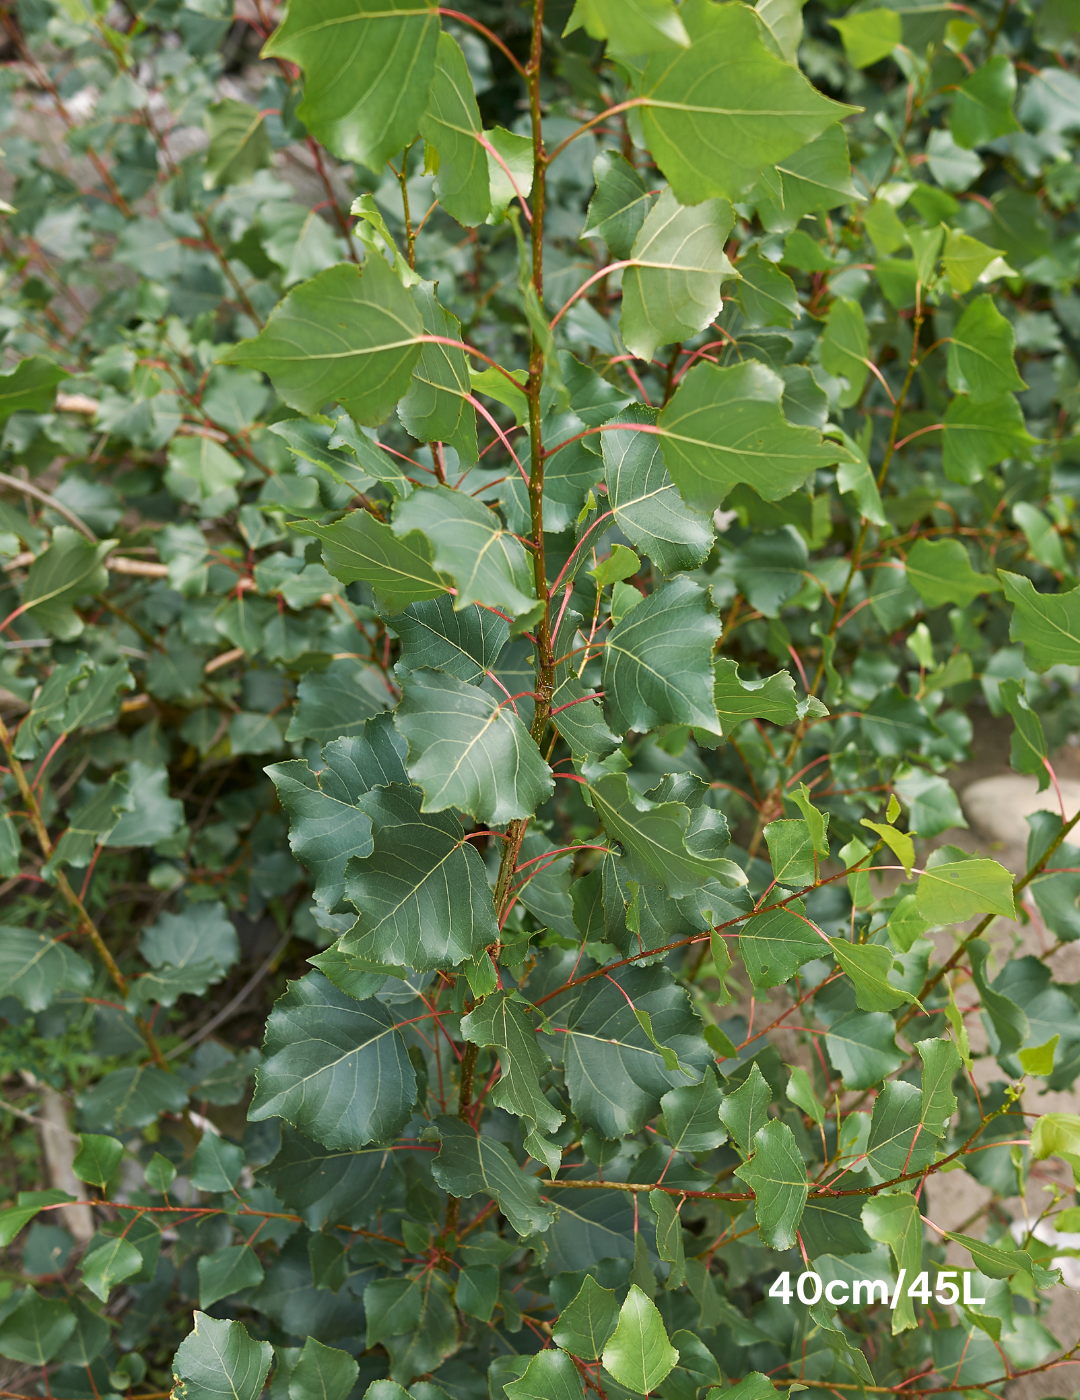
(508,516)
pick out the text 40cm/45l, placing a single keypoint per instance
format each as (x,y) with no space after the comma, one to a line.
(810,1288)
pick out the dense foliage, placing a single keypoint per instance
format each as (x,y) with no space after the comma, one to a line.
(508,518)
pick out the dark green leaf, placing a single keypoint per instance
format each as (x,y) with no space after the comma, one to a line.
(722,109)
(335,1068)
(644,502)
(469,1162)
(470,545)
(219,1361)
(671,288)
(346,336)
(587,1321)
(423,894)
(469,751)
(502,1022)
(658,661)
(450,127)
(35,1329)
(724,426)
(777,1176)
(239,143)
(368,69)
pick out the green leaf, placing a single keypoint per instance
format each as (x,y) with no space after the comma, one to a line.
(868,965)
(737,700)
(219,1361)
(669,1240)
(792,849)
(1043,540)
(510,177)
(644,502)
(721,110)
(638,1354)
(423,894)
(359,546)
(470,545)
(436,408)
(845,347)
(198,932)
(869,36)
(368,67)
(980,358)
(777,1176)
(658,661)
(103,1268)
(227,1271)
(800,1091)
(35,1329)
(28,1205)
(1039,1059)
(631,26)
(965,259)
(393,1306)
(615,1073)
(450,127)
(151,815)
(941,573)
(950,893)
(862,1046)
(619,204)
(895,1221)
(817,822)
(466,643)
(671,288)
(217,1164)
(477,1290)
(896,1146)
(502,1022)
(746,1110)
(661,844)
(35,968)
(767,296)
(1048,624)
(322,1373)
(97,1158)
(132,1098)
(941,1061)
(931,802)
(587,1321)
(982,107)
(469,751)
(1009,1026)
(691,1116)
(980,435)
(327,828)
(335,1068)
(550,1374)
(327,1186)
(1028,748)
(816,177)
(723,426)
(775,944)
(68,570)
(1000,1263)
(349,335)
(30,387)
(469,1162)
(1056,1135)
(239,143)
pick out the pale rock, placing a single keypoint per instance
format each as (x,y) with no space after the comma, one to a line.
(997,807)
